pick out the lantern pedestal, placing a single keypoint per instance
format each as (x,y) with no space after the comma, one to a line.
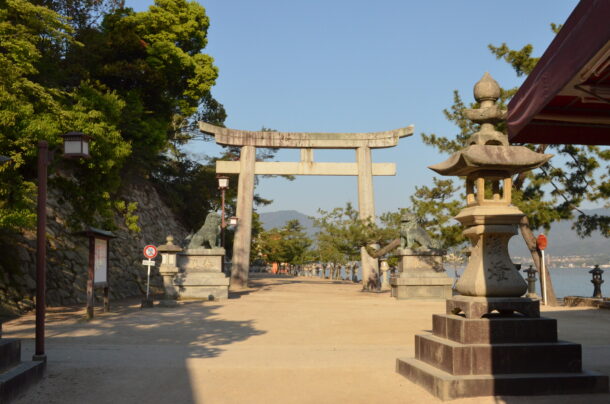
(171,294)
(498,354)
(421,276)
(200,275)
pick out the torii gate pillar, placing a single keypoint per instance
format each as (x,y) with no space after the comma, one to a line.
(366,207)
(243,233)
(247,167)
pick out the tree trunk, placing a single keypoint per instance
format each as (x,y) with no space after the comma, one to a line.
(383,251)
(530,241)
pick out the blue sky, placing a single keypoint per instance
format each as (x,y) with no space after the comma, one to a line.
(360,66)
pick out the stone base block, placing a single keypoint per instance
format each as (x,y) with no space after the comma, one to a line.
(421,260)
(19,378)
(448,387)
(481,359)
(500,354)
(202,285)
(494,330)
(477,307)
(201,260)
(10,352)
(422,288)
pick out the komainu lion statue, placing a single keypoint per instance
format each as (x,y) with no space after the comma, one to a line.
(412,234)
(208,233)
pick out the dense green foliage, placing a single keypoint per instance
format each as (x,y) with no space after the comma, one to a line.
(436,208)
(343,233)
(288,245)
(134,81)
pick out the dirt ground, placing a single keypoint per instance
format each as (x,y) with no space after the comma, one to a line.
(285,340)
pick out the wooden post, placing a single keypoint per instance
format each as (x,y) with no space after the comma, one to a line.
(90,279)
(222,230)
(106,300)
(41,250)
(243,233)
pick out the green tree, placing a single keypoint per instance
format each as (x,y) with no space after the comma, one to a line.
(31,111)
(436,207)
(288,245)
(154,61)
(257,229)
(296,243)
(134,81)
(556,191)
(343,234)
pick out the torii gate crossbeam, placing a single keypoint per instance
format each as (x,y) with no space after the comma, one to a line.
(247,167)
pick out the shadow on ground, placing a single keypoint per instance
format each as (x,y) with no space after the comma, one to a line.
(140,355)
(193,324)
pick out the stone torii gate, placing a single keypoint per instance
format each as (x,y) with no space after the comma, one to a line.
(247,167)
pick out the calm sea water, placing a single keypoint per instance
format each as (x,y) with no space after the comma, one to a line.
(566,281)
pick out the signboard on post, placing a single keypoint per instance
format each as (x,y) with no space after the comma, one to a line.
(150,252)
(97,268)
(100,273)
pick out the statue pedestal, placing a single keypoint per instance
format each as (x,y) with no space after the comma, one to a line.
(200,275)
(421,276)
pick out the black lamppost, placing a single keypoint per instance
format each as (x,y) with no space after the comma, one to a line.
(597,282)
(76,145)
(223,184)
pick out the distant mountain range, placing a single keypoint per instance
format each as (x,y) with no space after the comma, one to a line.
(563,241)
(273,220)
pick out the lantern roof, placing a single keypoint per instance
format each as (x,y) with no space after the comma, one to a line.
(97,233)
(169,246)
(510,159)
(488,149)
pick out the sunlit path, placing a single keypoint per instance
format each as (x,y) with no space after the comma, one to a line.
(285,340)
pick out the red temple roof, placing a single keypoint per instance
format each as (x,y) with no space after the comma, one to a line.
(566,98)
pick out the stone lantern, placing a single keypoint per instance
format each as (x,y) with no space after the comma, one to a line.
(491,340)
(384,268)
(488,163)
(168,270)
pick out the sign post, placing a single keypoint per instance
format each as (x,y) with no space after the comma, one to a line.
(150,252)
(97,267)
(541,243)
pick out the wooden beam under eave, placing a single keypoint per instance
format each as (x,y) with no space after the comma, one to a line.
(284,168)
(590,119)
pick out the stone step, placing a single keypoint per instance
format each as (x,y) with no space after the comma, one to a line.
(17,379)
(479,359)
(448,387)
(201,278)
(10,353)
(494,330)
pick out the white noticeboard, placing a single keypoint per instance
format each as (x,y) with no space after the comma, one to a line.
(101,261)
